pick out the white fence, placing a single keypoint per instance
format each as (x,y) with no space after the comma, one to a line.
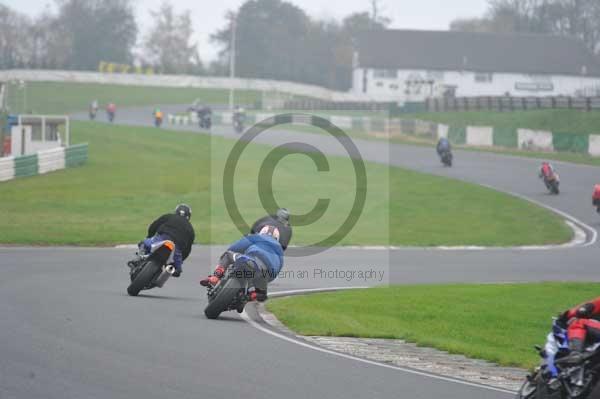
(182,81)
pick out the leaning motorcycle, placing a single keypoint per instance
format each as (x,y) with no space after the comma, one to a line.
(446,157)
(596,197)
(205,121)
(238,125)
(552,183)
(152,269)
(232,292)
(567,380)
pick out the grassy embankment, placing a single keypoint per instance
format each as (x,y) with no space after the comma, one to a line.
(135,174)
(500,323)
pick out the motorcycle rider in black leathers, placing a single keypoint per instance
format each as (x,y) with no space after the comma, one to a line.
(171,226)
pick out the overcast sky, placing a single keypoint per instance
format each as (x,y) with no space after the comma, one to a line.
(208,15)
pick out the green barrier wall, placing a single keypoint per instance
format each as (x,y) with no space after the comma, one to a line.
(457,135)
(26,166)
(76,155)
(505,137)
(570,142)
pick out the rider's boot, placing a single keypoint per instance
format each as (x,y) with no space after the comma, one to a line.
(135,262)
(213,279)
(258,295)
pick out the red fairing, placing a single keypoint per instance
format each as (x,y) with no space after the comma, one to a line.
(596,194)
(579,328)
(546,171)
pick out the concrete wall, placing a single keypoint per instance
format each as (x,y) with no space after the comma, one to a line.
(182,81)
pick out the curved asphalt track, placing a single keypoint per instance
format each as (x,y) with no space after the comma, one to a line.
(69,330)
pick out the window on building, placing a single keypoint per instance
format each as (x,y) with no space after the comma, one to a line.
(385,73)
(435,75)
(484,77)
(379,84)
(394,87)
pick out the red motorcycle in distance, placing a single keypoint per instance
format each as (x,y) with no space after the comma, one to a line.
(596,197)
(550,177)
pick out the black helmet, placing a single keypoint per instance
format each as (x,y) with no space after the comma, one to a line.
(283,215)
(184,210)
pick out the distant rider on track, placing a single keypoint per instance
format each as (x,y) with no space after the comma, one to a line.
(547,172)
(443,145)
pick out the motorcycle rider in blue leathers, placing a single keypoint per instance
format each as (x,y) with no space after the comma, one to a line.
(443,145)
(261,252)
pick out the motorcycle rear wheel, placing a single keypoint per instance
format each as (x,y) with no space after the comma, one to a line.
(223,298)
(143,278)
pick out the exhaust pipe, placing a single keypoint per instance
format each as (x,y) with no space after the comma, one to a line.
(162,278)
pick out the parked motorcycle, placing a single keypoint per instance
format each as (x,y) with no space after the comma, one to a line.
(231,293)
(446,157)
(572,381)
(152,269)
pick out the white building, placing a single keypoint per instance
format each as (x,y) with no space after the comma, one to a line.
(413,65)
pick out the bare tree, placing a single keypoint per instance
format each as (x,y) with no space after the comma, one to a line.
(376,14)
(576,18)
(169,44)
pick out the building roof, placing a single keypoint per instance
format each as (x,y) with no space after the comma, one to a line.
(481,52)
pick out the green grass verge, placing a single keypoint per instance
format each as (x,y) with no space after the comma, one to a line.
(61,98)
(557,120)
(135,174)
(499,323)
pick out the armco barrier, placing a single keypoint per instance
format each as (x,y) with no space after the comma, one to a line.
(76,155)
(43,162)
(51,160)
(26,165)
(7,168)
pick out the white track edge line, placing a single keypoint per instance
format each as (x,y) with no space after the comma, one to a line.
(256,325)
(565,215)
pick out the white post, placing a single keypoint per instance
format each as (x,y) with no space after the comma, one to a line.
(232,61)
(43,129)
(24,97)
(67,128)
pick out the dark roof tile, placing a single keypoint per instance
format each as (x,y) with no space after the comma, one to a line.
(481,52)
